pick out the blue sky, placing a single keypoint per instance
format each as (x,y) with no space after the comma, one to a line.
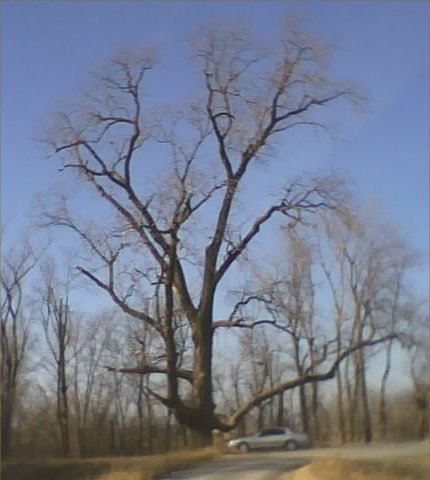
(47,47)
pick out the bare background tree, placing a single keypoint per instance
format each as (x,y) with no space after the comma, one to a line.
(58,328)
(109,413)
(16,318)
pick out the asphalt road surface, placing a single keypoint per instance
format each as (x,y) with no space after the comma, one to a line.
(268,466)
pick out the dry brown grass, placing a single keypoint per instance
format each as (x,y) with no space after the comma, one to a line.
(116,468)
(414,468)
(162,464)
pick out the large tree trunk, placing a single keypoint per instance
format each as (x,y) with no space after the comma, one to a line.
(201,438)
(242,427)
(200,417)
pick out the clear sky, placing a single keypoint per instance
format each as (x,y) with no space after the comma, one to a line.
(46,48)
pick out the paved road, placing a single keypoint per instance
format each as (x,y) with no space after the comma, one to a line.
(268,466)
(261,466)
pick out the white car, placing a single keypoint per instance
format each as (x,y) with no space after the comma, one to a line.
(278,437)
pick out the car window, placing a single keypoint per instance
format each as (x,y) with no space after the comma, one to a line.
(272,431)
(278,431)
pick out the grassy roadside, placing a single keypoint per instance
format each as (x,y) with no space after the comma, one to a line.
(413,468)
(117,468)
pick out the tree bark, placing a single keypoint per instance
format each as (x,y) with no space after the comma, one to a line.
(6,424)
(304,408)
(340,408)
(150,428)
(383,417)
(184,435)
(351,393)
(200,417)
(315,416)
(260,418)
(367,422)
(280,413)
(168,432)
(63,406)
(81,431)
(112,444)
(140,417)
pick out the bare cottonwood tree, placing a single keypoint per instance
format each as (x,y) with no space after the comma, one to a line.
(16,321)
(399,259)
(287,296)
(88,349)
(365,274)
(261,370)
(333,269)
(57,327)
(420,370)
(297,305)
(177,223)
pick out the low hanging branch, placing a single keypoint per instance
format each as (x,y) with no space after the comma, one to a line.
(310,378)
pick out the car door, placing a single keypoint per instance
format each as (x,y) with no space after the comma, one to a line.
(271,438)
(277,438)
(264,439)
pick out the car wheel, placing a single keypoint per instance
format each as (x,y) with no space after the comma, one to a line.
(243,447)
(290,446)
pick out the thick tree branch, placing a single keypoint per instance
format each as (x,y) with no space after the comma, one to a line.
(109,288)
(150,369)
(292,206)
(329,374)
(242,323)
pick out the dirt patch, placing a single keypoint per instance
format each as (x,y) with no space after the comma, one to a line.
(417,468)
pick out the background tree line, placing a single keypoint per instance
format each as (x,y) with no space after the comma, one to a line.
(62,395)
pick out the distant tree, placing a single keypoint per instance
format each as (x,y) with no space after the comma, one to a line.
(399,261)
(57,326)
(419,369)
(89,346)
(16,320)
(366,273)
